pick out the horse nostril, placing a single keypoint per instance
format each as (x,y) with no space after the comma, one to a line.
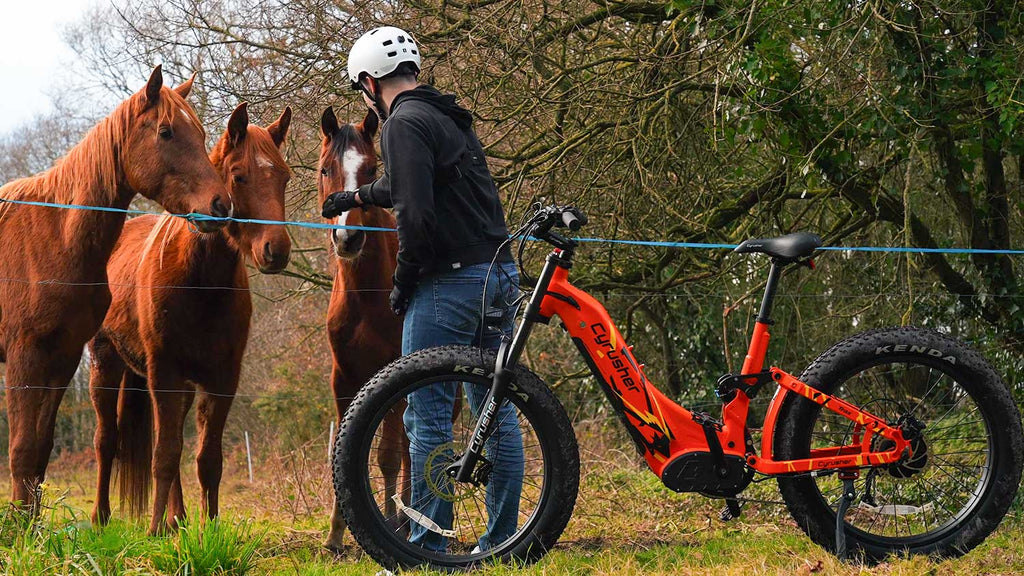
(355,238)
(268,253)
(218,209)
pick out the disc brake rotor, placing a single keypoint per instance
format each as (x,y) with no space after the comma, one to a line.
(438,482)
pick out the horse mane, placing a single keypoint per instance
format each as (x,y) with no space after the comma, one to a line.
(342,138)
(256,144)
(93,163)
(165,227)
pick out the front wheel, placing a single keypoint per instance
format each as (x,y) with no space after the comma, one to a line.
(525,490)
(966,465)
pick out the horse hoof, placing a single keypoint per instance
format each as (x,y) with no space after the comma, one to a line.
(336,549)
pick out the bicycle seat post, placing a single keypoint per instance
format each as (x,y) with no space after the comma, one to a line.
(764,316)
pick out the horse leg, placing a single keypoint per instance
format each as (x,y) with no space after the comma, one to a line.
(170,404)
(36,381)
(104,382)
(390,454)
(211,416)
(335,539)
(176,499)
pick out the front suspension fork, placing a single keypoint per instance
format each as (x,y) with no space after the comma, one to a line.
(464,468)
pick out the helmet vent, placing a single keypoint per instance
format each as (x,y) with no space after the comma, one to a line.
(413,51)
(388,42)
(401,39)
(392,54)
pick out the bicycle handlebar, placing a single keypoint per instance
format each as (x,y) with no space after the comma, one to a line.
(572,221)
(547,217)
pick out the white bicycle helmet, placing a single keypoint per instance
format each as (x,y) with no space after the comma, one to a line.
(379,52)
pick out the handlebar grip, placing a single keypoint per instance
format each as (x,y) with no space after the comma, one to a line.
(571,221)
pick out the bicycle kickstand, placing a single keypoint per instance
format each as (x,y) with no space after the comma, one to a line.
(849,494)
(731,511)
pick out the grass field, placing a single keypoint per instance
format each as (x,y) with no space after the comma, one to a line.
(624,523)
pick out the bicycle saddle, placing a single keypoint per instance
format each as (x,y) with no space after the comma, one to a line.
(789,247)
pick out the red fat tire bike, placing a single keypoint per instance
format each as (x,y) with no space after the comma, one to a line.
(893,441)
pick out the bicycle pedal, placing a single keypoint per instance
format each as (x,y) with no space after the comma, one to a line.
(707,420)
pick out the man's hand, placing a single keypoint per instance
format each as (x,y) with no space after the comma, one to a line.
(338,203)
(401,294)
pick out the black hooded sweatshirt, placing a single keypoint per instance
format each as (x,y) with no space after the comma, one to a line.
(436,179)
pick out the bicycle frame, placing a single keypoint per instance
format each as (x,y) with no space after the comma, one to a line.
(662,429)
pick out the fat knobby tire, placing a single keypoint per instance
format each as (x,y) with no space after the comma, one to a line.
(541,408)
(971,371)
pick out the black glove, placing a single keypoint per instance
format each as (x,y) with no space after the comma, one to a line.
(401,294)
(338,203)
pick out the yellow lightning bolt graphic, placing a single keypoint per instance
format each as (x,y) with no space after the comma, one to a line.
(647,418)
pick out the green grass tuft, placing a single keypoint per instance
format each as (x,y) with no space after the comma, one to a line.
(218,546)
(61,541)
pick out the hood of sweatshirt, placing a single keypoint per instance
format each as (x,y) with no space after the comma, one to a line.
(443,102)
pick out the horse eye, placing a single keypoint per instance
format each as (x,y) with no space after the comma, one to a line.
(166,132)
(238,179)
(323,171)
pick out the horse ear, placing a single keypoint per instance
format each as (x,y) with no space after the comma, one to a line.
(185,87)
(369,125)
(156,82)
(238,124)
(329,123)
(279,128)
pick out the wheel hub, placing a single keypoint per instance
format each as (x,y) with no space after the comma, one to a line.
(439,480)
(907,467)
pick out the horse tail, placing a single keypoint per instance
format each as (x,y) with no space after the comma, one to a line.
(134,444)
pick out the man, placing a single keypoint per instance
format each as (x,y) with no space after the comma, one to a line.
(450,227)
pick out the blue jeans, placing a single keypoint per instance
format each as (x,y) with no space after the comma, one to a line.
(445,309)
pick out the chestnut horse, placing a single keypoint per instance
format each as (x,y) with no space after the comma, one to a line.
(54,294)
(179,322)
(365,335)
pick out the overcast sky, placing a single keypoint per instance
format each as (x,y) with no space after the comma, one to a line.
(32,55)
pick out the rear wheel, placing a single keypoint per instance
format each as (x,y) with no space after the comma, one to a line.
(966,466)
(429,518)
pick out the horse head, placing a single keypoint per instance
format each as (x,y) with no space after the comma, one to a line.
(347,161)
(250,162)
(163,154)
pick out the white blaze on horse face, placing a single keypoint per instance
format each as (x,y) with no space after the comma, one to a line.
(340,234)
(351,160)
(264,162)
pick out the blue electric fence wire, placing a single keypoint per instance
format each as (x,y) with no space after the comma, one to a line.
(194,217)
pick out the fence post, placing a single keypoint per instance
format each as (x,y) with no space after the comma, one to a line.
(248,455)
(330,444)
